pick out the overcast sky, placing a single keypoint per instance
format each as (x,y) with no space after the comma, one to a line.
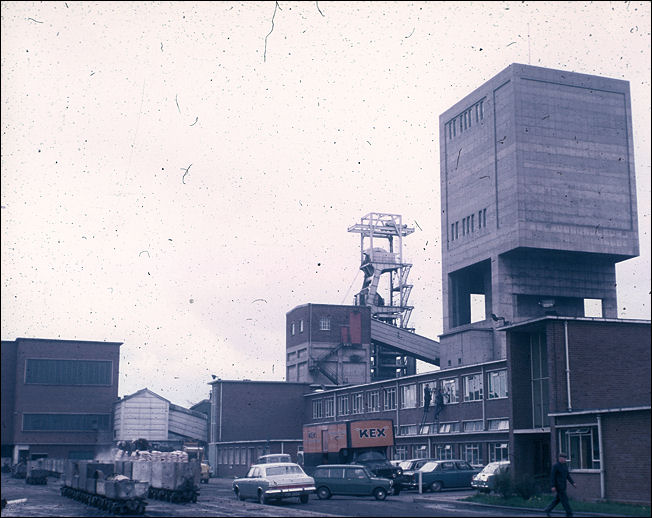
(178,176)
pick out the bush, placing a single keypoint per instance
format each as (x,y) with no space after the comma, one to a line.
(503,484)
(526,487)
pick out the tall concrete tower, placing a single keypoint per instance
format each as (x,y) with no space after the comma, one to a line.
(538,204)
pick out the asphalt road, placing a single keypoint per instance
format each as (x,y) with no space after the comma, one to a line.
(217,499)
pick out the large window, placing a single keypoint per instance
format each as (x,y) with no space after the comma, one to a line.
(471,453)
(324,324)
(449,390)
(373,401)
(410,429)
(472,426)
(581,445)
(357,403)
(497,384)
(420,451)
(66,422)
(449,427)
(389,398)
(498,451)
(444,451)
(329,407)
(318,409)
(400,453)
(409,396)
(498,424)
(540,378)
(343,405)
(68,372)
(473,387)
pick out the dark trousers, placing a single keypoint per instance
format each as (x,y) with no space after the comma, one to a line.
(560,496)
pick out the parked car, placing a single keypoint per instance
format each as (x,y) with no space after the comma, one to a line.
(406,480)
(378,464)
(274,481)
(486,479)
(351,480)
(439,474)
(274,457)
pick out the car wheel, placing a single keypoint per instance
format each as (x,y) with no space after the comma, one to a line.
(323,493)
(262,499)
(435,487)
(304,498)
(380,493)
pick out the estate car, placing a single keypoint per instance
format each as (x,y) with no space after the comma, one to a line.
(439,474)
(351,480)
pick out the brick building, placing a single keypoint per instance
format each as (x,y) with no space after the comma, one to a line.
(253,418)
(57,397)
(582,386)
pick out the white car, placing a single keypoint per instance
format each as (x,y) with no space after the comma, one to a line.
(485,481)
(274,481)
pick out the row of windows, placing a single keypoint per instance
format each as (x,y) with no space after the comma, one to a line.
(66,422)
(239,455)
(386,399)
(68,372)
(501,424)
(465,120)
(468,225)
(470,452)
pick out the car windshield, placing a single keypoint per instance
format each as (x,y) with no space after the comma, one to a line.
(428,466)
(406,464)
(371,455)
(284,470)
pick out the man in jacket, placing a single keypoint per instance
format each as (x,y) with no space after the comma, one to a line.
(558,477)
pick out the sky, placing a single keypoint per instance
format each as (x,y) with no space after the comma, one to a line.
(177,176)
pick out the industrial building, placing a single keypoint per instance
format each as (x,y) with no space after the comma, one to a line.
(538,206)
(146,415)
(57,398)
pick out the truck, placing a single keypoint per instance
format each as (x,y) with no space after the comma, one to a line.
(363,442)
(196,452)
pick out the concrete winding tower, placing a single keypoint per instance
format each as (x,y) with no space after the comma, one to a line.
(385,288)
(538,204)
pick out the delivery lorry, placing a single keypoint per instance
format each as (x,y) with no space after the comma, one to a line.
(364,442)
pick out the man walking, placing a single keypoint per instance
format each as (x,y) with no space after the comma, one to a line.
(558,477)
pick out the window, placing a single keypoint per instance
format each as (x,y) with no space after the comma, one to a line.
(581,445)
(420,451)
(409,396)
(324,324)
(449,427)
(373,401)
(427,429)
(473,426)
(497,384)
(343,405)
(497,424)
(498,451)
(66,422)
(452,231)
(410,429)
(389,398)
(471,453)
(450,389)
(318,409)
(444,451)
(473,387)
(329,407)
(68,372)
(300,326)
(540,378)
(292,328)
(400,453)
(357,403)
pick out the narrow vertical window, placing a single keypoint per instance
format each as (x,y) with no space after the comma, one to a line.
(452,231)
(456,230)
(484,217)
(472,222)
(481,110)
